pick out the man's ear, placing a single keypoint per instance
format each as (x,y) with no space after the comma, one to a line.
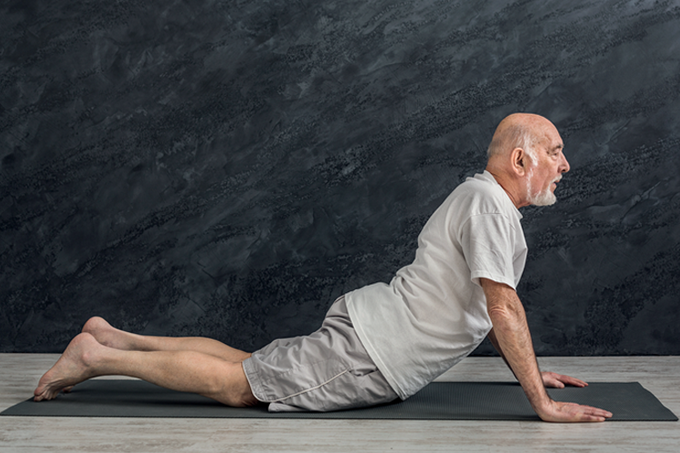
(519,161)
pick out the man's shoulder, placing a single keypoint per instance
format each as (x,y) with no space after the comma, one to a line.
(481,193)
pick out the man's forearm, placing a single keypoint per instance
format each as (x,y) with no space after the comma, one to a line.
(511,334)
(494,342)
(515,342)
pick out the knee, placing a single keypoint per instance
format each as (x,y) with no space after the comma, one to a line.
(248,400)
(243,395)
(236,397)
(235,389)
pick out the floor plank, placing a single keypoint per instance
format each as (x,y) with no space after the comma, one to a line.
(19,374)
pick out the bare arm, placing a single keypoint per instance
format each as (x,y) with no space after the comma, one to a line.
(550,379)
(494,342)
(512,338)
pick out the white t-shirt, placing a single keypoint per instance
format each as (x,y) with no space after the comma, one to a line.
(433,312)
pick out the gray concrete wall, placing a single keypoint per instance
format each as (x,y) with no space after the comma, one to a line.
(229,168)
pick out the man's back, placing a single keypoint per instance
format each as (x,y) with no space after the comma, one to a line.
(433,313)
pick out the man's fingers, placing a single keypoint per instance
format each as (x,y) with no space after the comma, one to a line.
(592,418)
(560,380)
(573,381)
(554,383)
(589,412)
(572,412)
(599,412)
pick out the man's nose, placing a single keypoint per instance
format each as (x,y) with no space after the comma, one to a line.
(565,165)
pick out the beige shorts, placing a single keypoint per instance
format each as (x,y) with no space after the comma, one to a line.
(326,371)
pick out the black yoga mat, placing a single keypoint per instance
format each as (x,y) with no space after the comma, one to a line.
(437,401)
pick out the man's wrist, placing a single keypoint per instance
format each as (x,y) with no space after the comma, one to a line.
(543,405)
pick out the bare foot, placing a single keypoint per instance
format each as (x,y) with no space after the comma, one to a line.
(71,368)
(106,334)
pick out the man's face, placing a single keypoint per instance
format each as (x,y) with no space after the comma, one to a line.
(547,171)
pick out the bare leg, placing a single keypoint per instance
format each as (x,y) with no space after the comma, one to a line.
(187,371)
(109,336)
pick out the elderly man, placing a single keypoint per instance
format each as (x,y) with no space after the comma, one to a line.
(383,341)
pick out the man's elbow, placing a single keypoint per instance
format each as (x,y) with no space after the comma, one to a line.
(503,314)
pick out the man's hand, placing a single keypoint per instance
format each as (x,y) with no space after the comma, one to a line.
(512,339)
(559,381)
(561,412)
(569,412)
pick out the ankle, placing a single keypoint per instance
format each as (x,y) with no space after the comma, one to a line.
(87,350)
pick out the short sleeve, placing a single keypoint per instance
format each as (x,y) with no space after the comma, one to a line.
(488,247)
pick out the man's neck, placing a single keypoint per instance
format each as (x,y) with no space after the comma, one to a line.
(509,185)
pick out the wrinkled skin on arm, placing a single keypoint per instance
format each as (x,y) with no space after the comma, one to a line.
(511,337)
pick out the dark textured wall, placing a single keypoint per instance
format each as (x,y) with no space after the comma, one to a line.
(228,168)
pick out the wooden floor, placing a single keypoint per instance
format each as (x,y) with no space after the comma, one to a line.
(19,374)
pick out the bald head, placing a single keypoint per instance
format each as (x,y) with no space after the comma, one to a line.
(520,130)
(525,157)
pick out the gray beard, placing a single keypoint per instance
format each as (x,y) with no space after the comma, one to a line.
(545,198)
